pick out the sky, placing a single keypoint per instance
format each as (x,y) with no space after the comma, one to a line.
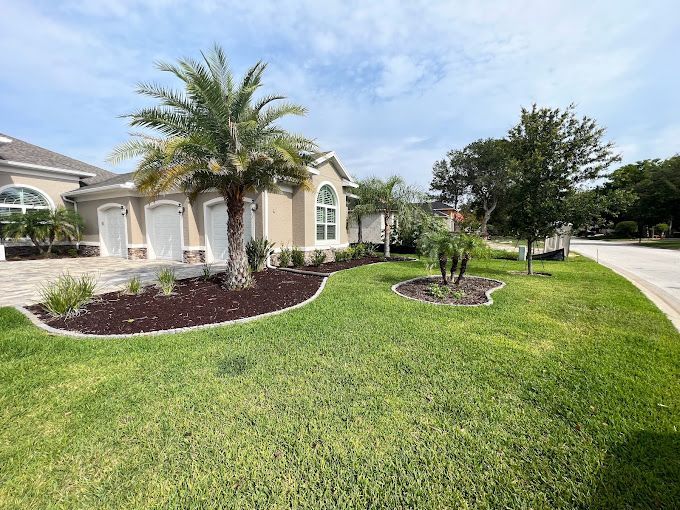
(390,86)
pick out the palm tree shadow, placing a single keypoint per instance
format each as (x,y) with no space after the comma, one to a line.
(641,472)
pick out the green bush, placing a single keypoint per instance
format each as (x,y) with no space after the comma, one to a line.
(318,257)
(297,256)
(495,253)
(72,252)
(284,257)
(342,255)
(626,228)
(166,280)
(661,228)
(351,253)
(66,296)
(257,251)
(359,250)
(371,249)
(133,285)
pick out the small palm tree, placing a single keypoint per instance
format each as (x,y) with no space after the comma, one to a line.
(438,245)
(62,223)
(215,135)
(467,246)
(390,197)
(31,225)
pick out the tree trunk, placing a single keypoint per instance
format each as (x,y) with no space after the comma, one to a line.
(238,272)
(51,242)
(360,235)
(488,210)
(442,267)
(463,268)
(37,245)
(388,233)
(454,264)
(530,269)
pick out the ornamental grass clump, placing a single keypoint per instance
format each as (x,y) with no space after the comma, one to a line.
(67,295)
(166,280)
(258,250)
(133,285)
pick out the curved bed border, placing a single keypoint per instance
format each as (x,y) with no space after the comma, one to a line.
(64,332)
(489,299)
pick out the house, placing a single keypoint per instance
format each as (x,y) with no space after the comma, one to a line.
(445,211)
(121,222)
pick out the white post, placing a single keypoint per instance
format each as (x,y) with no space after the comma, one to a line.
(2,252)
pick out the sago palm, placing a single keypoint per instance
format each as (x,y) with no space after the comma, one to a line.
(31,225)
(215,135)
(62,223)
(438,245)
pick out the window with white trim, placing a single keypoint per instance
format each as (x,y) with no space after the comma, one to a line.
(326,214)
(20,199)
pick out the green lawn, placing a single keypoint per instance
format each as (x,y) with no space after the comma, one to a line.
(666,244)
(564,394)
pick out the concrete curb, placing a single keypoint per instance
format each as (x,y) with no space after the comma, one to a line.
(39,323)
(488,293)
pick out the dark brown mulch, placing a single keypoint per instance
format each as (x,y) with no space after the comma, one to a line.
(473,288)
(331,267)
(194,302)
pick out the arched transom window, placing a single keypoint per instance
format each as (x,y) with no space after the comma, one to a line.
(20,199)
(326,214)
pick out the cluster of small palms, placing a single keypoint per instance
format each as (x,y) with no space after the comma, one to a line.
(441,245)
(43,227)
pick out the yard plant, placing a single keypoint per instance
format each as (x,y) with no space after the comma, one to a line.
(297,257)
(133,285)
(258,251)
(43,227)
(285,257)
(215,134)
(67,295)
(318,257)
(166,280)
(560,399)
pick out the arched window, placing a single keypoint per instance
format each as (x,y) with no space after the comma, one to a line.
(20,199)
(326,214)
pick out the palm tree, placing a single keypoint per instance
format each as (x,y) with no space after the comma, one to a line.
(31,225)
(439,245)
(214,135)
(391,198)
(468,246)
(62,223)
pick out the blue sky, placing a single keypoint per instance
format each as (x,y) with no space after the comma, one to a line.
(390,86)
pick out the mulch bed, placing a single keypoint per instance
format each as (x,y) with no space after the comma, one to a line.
(331,267)
(193,303)
(474,290)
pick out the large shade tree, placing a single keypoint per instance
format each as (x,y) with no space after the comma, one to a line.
(552,153)
(391,197)
(449,179)
(214,134)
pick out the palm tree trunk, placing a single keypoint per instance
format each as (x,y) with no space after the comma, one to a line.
(360,236)
(37,245)
(387,235)
(454,264)
(442,267)
(51,243)
(463,268)
(238,272)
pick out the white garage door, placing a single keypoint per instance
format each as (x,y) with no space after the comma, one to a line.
(165,232)
(216,231)
(112,228)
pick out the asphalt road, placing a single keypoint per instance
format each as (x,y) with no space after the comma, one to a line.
(654,271)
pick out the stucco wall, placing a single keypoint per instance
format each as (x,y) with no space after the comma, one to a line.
(372,229)
(281,219)
(53,187)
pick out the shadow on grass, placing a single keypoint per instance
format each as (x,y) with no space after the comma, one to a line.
(641,472)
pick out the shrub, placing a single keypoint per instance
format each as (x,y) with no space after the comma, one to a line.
(166,280)
(284,257)
(437,291)
(351,253)
(133,285)
(342,255)
(297,256)
(257,251)
(495,253)
(626,228)
(65,296)
(661,228)
(206,271)
(72,252)
(359,250)
(371,249)
(318,257)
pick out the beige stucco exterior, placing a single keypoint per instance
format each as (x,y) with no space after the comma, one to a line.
(286,217)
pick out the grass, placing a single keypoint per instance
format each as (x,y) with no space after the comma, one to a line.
(665,244)
(563,394)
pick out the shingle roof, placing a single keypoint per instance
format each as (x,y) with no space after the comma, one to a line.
(24,152)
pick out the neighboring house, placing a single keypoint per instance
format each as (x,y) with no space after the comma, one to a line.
(121,222)
(445,211)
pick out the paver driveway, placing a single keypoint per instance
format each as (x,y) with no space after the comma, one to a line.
(20,281)
(656,272)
